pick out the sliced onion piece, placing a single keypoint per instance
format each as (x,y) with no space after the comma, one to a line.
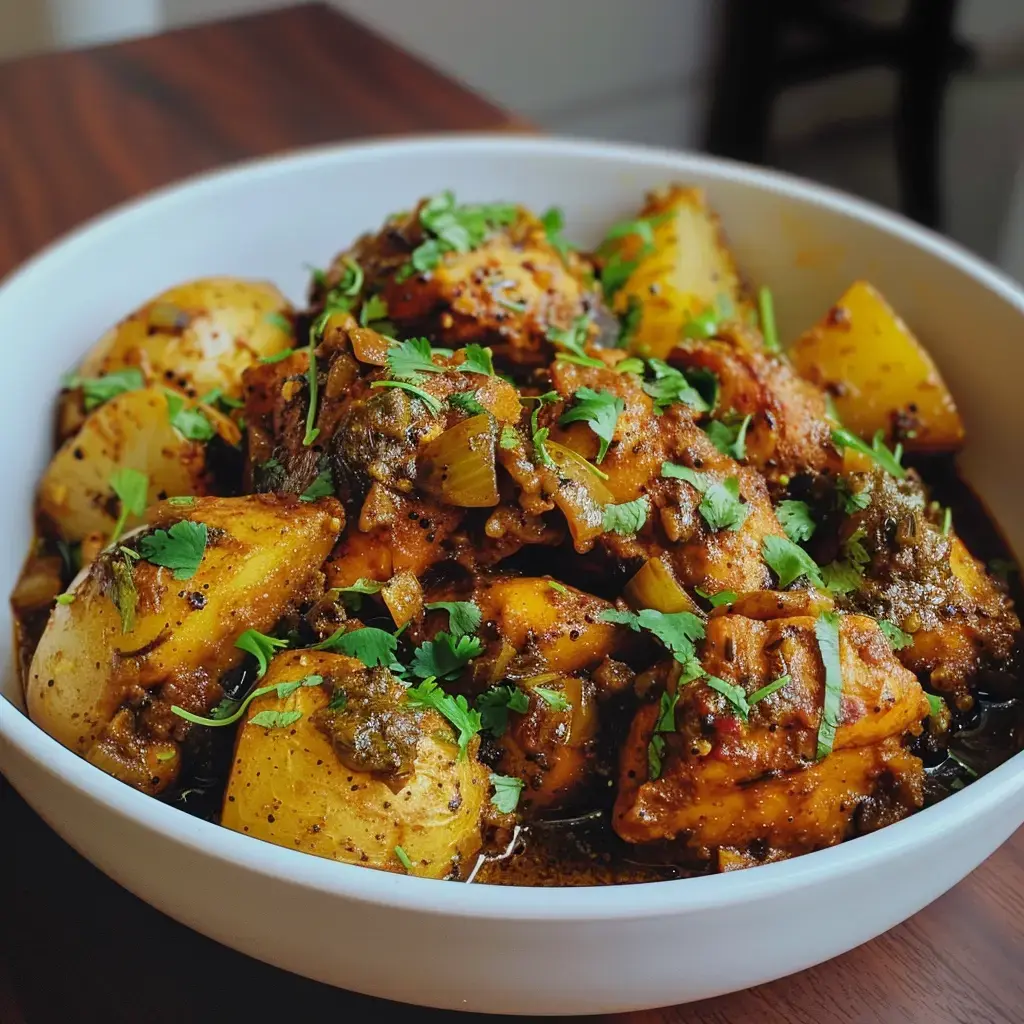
(459,467)
(581,495)
(655,586)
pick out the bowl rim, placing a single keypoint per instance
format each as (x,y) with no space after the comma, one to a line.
(522,903)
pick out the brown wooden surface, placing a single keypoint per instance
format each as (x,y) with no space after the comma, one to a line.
(81,131)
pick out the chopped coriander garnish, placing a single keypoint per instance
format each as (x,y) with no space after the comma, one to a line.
(826,629)
(509,437)
(716,600)
(845,576)
(540,450)
(617,270)
(374,309)
(275,719)
(898,640)
(655,754)
(97,390)
(403,858)
(557,587)
(65,598)
(368,644)
(629,323)
(768,689)
(730,438)
(843,438)
(936,705)
(673,471)
(181,500)
(555,699)
(671,386)
(573,341)
(789,561)
(131,487)
(312,431)
(429,694)
(278,357)
(321,487)
(676,630)
(227,714)
(280,321)
(166,755)
(851,501)
(123,590)
(796,520)
(630,365)
(261,647)
(734,694)
(465,402)
(766,314)
(444,657)
(666,722)
(190,423)
(478,360)
(495,704)
(600,410)
(947,521)
(506,792)
(464,617)
(181,547)
(352,595)
(410,360)
(627,518)
(721,506)
(703,325)
(554,221)
(432,404)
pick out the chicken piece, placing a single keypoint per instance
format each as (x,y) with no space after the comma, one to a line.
(505,291)
(726,782)
(789,432)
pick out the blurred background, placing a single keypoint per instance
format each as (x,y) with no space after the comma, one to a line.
(927,114)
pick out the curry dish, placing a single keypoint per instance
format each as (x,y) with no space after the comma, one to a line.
(506,562)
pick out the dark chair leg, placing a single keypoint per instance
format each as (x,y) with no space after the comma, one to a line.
(918,126)
(739,119)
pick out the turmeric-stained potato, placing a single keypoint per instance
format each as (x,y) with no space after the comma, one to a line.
(199,335)
(880,375)
(138,637)
(347,769)
(133,430)
(729,776)
(687,271)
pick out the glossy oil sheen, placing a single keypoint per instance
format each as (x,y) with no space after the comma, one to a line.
(491,948)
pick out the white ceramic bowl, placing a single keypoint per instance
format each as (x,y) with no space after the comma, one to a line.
(480,947)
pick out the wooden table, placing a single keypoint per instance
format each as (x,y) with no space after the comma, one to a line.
(82,131)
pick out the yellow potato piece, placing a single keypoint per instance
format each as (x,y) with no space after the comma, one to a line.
(288,785)
(263,553)
(689,271)
(880,375)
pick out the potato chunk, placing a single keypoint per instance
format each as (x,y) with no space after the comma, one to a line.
(356,783)
(102,679)
(880,375)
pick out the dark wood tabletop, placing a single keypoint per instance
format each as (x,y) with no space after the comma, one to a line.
(82,131)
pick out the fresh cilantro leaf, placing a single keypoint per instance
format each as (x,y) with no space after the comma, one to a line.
(271,475)
(321,487)
(617,269)
(629,323)
(278,357)
(630,365)
(342,296)
(432,404)
(275,719)
(180,548)
(509,437)
(716,600)
(444,657)
(478,360)
(464,617)
(703,325)
(796,520)
(843,438)
(826,629)
(495,704)
(506,792)
(600,410)
(465,402)
(667,712)
(553,221)
(730,438)
(123,591)
(540,450)
(670,386)
(181,500)
(766,314)
(789,561)
(676,630)
(280,321)
(627,518)
(947,521)
(403,858)
(572,341)
(373,310)
(166,755)
(898,640)
(410,360)
(312,430)
(370,645)
(429,694)
(721,506)
(97,390)
(673,471)
(131,487)
(655,754)
(555,699)
(65,598)
(936,705)
(840,578)
(768,689)
(705,383)
(190,423)
(734,694)
(338,701)
(557,587)
(261,647)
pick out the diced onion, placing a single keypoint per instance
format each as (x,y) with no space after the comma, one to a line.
(404,597)
(654,586)
(459,467)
